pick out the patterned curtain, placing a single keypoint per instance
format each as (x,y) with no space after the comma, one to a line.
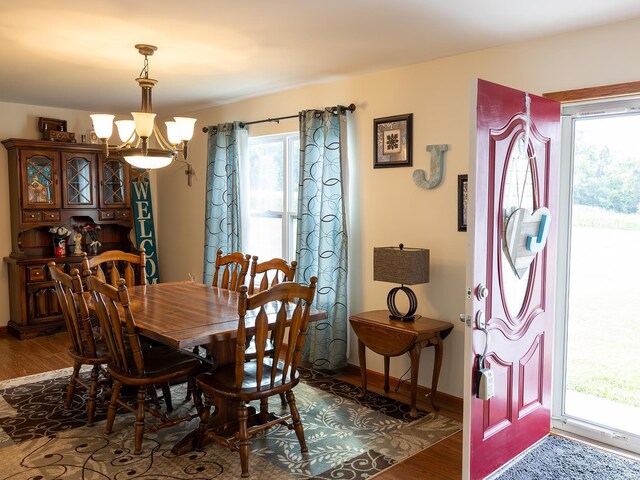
(322,232)
(222,221)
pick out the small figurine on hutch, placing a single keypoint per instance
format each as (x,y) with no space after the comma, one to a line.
(77,239)
(60,235)
(92,232)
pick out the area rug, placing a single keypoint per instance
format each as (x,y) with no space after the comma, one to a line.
(561,458)
(347,437)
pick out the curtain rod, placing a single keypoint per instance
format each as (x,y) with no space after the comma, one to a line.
(350,108)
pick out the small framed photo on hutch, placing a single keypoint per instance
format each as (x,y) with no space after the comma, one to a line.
(463,201)
(392,140)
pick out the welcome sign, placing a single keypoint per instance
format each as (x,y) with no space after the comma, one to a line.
(143,220)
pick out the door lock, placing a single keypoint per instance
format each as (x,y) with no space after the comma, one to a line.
(482,292)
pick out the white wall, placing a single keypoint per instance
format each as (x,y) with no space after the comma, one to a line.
(21,121)
(386,207)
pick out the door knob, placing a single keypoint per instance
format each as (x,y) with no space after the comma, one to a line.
(482,292)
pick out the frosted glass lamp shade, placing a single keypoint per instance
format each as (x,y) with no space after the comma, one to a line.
(102,125)
(144,123)
(126,130)
(185,126)
(149,162)
(173,133)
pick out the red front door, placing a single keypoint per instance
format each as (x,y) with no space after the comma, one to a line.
(512,277)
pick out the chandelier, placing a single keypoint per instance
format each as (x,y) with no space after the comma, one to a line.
(135,134)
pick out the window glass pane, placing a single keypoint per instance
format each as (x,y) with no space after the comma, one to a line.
(266,175)
(265,237)
(273,171)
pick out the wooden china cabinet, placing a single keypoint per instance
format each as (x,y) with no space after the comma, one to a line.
(52,184)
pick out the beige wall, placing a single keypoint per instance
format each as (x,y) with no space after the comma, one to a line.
(21,121)
(386,207)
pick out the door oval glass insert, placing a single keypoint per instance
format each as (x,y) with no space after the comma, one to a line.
(517,193)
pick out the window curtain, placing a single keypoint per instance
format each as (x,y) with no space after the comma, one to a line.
(226,143)
(321,247)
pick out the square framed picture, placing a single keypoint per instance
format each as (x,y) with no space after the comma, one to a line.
(392,140)
(463,201)
(93,138)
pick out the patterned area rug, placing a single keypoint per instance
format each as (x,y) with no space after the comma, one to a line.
(348,438)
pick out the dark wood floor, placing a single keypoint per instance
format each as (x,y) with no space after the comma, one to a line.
(442,461)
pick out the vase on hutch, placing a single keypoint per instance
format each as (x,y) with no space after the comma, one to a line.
(93,247)
(59,248)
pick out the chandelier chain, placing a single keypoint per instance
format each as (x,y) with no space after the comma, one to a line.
(144,73)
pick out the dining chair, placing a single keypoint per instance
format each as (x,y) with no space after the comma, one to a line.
(87,348)
(283,308)
(131,365)
(118,264)
(234,266)
(270,273)
(266,275)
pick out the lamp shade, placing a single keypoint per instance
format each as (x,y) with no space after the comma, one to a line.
(173,133)
(407,266)
(144,123)
(126,130)
(102,125)
(185,126)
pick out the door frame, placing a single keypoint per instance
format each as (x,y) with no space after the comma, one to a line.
(559,419)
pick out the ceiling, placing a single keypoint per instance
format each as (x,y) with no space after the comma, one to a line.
(80,54)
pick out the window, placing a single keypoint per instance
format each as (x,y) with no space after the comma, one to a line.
(273,170)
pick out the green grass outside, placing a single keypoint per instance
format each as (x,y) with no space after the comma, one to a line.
(604,307)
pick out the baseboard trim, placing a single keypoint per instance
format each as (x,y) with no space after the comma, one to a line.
(444,400)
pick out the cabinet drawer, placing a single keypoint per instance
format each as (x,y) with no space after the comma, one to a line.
(31,215)
(51,216)
(35,274)
(123,214)
(106,214)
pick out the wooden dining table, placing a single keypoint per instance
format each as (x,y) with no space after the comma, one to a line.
(183,315)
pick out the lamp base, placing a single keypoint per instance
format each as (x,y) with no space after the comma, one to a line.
(391,304)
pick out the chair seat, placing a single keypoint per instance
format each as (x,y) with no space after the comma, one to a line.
(222,381)
(162,364)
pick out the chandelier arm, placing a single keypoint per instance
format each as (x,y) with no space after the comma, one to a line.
(164,144)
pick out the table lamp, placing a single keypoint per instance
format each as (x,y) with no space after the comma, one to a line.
(406,266)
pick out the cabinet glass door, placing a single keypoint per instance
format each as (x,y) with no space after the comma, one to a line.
(78,180)
(40,176)
(114,184)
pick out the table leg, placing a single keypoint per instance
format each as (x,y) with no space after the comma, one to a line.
(415,364)
(386,374)
(363,368)
(437,364)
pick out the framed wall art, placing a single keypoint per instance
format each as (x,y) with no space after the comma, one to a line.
(392,140)
(463,201)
